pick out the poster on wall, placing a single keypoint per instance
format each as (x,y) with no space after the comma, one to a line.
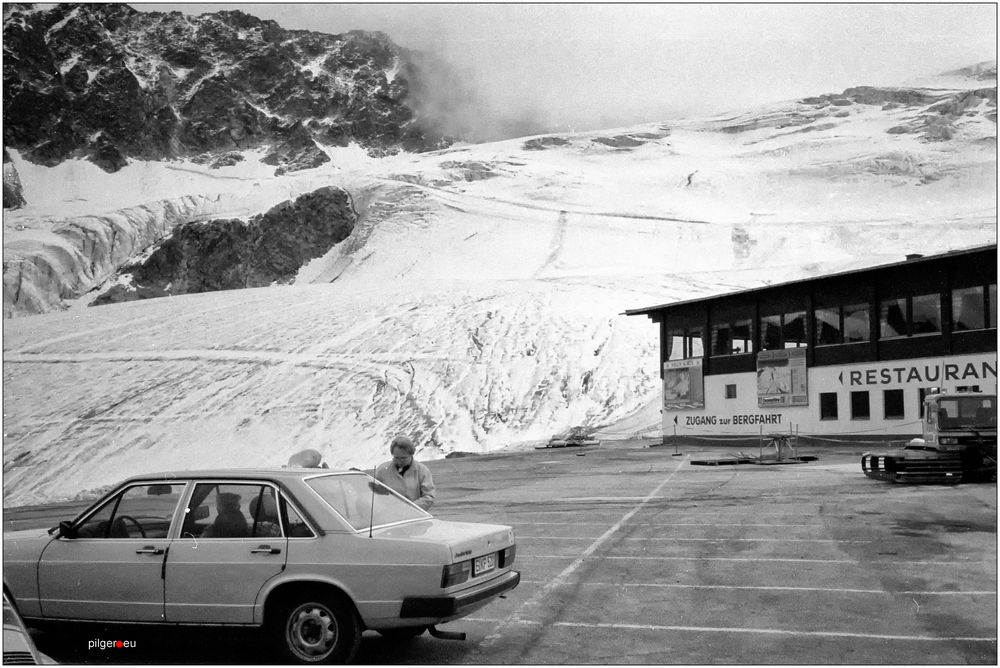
(781,378)
(683,385)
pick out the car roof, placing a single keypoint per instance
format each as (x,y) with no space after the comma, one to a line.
(274,473)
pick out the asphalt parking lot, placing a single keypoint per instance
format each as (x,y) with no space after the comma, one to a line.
(630,554)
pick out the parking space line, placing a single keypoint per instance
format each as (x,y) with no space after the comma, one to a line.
(557,581)
(830,590)
(672,524)
(736,629)
(784,632)
(798,511)
(756,559)
(710,540)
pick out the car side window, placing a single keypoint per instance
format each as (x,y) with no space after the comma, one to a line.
(264,514)
(96,526)
(140,511)
(297,527)
(221,510)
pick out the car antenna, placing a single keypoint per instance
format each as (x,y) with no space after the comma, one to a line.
(371,517)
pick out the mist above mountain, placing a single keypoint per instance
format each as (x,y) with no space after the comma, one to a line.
(109,83)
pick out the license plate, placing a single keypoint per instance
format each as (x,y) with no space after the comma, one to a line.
(483,564)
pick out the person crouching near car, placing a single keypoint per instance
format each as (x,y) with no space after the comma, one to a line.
(406,475)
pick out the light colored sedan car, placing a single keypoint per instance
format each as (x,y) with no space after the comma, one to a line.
(315,557)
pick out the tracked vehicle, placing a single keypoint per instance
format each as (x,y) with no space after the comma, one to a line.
(959,443)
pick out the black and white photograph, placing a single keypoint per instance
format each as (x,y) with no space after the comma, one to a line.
(500,333)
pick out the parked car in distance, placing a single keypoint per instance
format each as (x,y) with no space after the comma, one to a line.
(576,437)
(313,556)
(18,647)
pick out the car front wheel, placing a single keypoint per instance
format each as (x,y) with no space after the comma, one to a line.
(317,630)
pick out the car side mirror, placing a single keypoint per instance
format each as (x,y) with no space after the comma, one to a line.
(199,513)
(65,530)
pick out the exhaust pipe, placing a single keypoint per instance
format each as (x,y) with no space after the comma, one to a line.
(445,635)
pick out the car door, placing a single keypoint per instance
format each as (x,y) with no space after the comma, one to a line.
(110,565)
(231,542)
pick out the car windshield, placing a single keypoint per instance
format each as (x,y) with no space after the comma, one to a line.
(364,502)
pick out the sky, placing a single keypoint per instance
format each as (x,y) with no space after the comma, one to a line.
(580,66)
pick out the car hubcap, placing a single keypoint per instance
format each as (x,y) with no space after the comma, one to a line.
(312,631)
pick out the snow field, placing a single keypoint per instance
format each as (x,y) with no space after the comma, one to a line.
(477,305)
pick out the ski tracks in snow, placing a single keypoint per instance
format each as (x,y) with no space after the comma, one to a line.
(556,246)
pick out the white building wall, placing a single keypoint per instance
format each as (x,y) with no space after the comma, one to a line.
(741,416)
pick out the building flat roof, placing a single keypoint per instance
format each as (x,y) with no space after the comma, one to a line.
(813,279)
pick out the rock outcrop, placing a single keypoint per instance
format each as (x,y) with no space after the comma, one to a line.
(13,195)
(109,83)
(229,254)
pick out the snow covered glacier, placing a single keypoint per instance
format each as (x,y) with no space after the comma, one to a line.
(478,302)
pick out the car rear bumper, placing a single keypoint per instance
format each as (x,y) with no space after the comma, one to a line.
(459,604)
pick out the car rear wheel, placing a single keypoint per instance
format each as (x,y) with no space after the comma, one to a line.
(317,629)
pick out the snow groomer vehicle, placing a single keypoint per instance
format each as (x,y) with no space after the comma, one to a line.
(959,443)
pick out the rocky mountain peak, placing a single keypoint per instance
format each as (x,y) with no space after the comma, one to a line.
(109,83)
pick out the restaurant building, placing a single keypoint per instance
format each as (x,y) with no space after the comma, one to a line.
(846,356)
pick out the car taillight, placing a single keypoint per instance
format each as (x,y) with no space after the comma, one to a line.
(507,556)
(456,574)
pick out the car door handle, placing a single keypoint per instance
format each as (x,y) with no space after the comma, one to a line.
(149,549)
(265,549)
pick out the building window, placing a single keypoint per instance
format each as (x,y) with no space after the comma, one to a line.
(856,327)
(860,408)
(827,326)
(786,330)
(992,305)
(722,343)
(793,330)
(694,344)
(743,336)
(910,316)
(732,338)
(730,391)
(968,309)
(841,324)
(684,344)
(925,315)
(974,307)
(892,318)
(893,400)
(828,406)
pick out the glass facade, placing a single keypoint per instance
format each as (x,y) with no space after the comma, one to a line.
(912,310)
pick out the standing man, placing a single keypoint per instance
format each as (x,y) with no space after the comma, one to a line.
(408,477)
